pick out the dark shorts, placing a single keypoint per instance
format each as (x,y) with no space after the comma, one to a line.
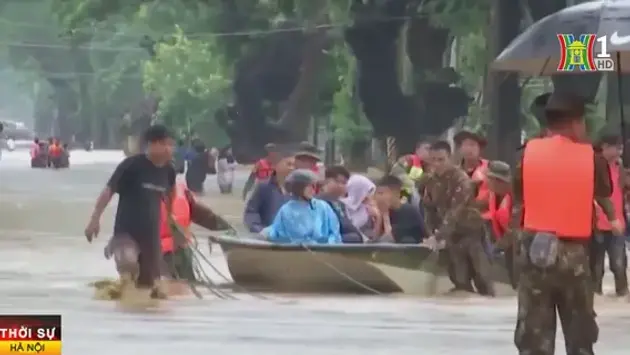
(141,258)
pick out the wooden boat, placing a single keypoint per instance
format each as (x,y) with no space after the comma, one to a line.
(348,268)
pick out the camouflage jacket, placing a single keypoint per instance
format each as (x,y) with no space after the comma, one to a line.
(448,200)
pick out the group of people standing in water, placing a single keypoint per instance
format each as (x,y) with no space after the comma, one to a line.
(196,161)
(52,153)
(553,217)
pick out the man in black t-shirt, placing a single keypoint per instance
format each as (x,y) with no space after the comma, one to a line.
(142,182)
(405,221)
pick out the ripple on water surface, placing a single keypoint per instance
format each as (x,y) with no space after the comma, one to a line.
(46,265)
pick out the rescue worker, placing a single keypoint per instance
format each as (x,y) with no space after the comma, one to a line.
(307,157)
(410,169)
(176,256)
(64,156)
(553,188)
(415,164)
(604,241)
(263,169)
(455,221)
(470,145)
(54,153)
(500,208)
(176,252)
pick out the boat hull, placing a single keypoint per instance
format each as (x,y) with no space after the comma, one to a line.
(356,268)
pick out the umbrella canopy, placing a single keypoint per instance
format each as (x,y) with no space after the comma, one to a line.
(543,48)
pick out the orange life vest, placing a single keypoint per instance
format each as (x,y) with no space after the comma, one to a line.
(558,187)
(479,174)
(617,199)
(181,215)
(263,169)
(500,215)
(54,150)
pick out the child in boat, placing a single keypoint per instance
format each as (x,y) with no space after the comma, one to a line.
(304,219)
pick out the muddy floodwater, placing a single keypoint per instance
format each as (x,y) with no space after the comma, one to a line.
(45,265)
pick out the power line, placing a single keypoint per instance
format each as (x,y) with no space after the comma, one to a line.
(68,47)
(341,24)
(66,74)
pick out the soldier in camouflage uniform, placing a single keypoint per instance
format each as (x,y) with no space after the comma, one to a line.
(448,200)
(554,268)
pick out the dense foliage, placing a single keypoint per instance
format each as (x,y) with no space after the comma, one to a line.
(249,71)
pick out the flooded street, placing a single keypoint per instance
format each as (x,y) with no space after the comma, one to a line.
(46,265)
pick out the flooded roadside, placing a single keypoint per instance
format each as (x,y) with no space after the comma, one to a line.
(46,264)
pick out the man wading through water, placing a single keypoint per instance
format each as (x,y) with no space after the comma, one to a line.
(553,189)
(142,182)
(604,241)
(455,220)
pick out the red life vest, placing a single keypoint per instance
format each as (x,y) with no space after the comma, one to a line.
(181,215)
(479,174)
(500,215)
(558,187)
(414,160)
(263,169)
(617,199)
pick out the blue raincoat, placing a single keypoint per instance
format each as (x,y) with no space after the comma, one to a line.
(304,222)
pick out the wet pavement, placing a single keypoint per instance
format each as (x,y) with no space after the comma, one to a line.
(46,264)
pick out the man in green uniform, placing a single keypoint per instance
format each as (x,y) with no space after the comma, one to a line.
(564,287)
(454,220)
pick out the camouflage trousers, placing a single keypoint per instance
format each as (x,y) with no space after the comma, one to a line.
(565,289)
(469,261)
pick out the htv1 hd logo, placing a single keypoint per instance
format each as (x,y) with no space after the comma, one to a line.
(579,54)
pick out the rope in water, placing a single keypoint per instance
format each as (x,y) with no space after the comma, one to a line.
(201,277)
(198,258)
(341,273)
(223,276)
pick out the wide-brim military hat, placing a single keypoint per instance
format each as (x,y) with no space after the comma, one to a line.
(308,150)
(471,135)
(566,103)
(499,170)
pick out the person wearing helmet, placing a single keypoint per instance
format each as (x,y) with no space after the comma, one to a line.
(304,219)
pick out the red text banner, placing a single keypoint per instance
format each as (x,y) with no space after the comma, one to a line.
(30,334)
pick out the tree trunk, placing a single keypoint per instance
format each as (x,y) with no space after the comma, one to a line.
(505,94)
(88,126)
(66,99)
(296,117)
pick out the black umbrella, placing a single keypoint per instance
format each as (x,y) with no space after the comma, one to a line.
(543,49)
(600,34)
